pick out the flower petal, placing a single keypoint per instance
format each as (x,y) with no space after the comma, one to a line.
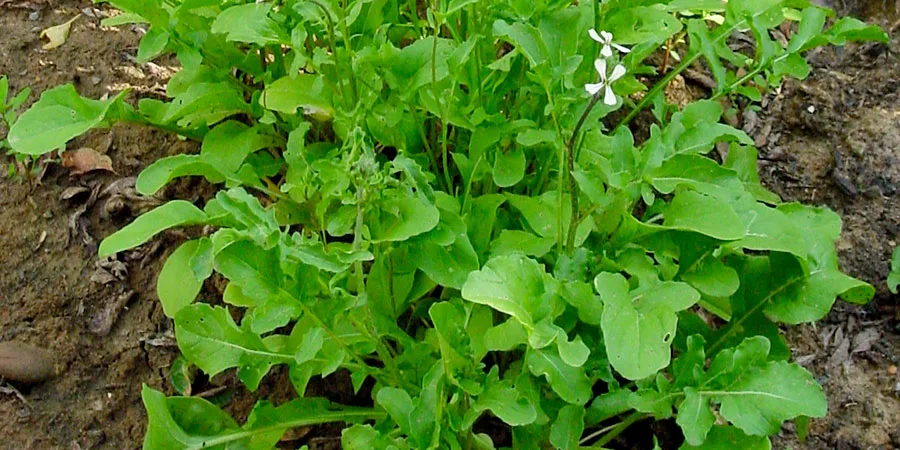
(595,36)
(620,48)
(600,65)
(607,37)
(610,97)
(618,72)
(606,51)
(593,88)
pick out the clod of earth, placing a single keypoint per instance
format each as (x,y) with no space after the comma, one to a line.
(25,363)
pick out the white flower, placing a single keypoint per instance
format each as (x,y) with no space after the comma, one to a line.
(606,38)
(609,97)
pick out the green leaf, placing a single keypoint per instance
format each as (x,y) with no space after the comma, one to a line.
(507,403)
(256,271)
(182,422)
(730,438)
(209,338)
(509,167)
(306,91)
(400,218)
(152,44)
(893,279)
(250,23)
(565,433)
(525,37)
(642,24)
(205,103)
(60,115)
(192,423)
(398,404)
(638,327)
(181,374)
(172,214)
(699,173)
(164,170)
(511,284)
(607,406)
(755,394)
(712,277)
(570,383)
(227,145)
(177,286)
(512,241)
(762,399)
(702,42)
(704,214)
(694,417)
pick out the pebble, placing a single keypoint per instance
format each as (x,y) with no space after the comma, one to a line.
(25,363)
(34,15)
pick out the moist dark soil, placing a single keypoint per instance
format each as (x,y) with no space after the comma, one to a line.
(831,140)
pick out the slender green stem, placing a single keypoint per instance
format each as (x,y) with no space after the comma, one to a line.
(468,190)
(322,417)
(570,145)
(619,428)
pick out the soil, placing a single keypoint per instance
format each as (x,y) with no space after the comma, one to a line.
(831,140)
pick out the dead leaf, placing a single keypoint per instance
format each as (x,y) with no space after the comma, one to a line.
(863,341)
(57,34)
(85,160)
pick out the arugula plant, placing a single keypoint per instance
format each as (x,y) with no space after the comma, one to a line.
(451,200)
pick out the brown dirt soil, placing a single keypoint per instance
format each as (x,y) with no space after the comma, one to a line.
(834,140)
(847,111)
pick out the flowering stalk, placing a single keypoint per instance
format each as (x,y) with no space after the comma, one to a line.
(602,86)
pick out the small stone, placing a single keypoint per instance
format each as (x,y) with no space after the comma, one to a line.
(892,370)
(34,16)
(96,79)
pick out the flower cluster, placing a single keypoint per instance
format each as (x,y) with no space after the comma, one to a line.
(606,79)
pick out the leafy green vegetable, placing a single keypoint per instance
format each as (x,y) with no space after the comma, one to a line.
(428,199)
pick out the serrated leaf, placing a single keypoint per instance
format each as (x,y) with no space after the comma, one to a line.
(763,399)
(694,417)
(209,338)
(257,272)
(756,394)
(250,23)
(177,286)
(507,403)
(570,383)
(525,37)
(172,214)
(58,116)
